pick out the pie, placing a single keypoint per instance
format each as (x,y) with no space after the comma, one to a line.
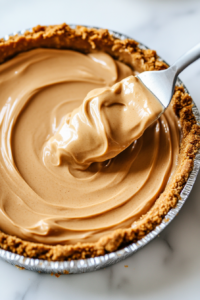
(93,218)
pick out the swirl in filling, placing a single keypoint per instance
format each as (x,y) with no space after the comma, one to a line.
(69,170)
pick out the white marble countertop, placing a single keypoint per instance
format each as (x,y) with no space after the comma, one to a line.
(169,267)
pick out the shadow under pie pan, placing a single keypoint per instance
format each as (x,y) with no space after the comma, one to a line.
(92,264)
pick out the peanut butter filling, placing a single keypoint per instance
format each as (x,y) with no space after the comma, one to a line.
(70,171)
(108,121)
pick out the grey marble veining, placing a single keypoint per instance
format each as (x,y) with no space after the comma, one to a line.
(167,268)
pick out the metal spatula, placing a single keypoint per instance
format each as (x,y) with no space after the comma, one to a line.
(162,83)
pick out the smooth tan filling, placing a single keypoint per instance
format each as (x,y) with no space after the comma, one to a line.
(59,180)
(109,120)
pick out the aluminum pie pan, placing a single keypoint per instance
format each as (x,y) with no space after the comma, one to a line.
(92,264)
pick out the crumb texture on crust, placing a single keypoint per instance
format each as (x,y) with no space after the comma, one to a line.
(89,40)
(82,39)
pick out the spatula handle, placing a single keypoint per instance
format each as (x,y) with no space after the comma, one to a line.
(187,59)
